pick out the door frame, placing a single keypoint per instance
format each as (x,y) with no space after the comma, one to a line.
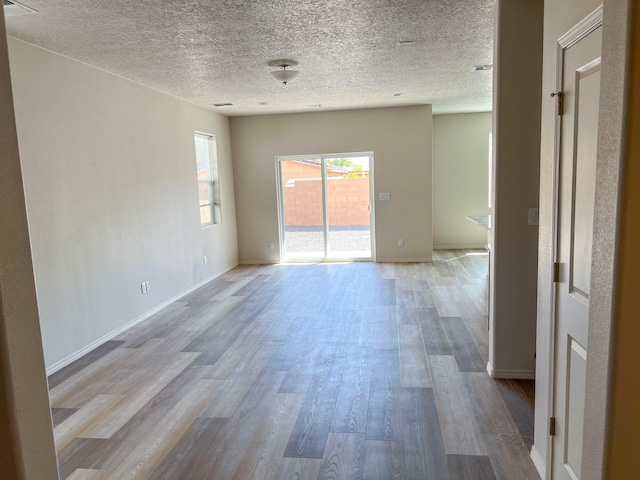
(325,207)
(573,36)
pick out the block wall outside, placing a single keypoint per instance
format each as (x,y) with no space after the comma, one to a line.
(348,202)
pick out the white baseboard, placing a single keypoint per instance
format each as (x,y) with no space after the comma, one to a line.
(404,260)
(377,260)
(510,374)
(538,462)
(105,338)
(460,247)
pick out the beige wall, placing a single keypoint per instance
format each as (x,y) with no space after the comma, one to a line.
(623,423)
(26,434)
(516,135)
(110,180)
(613,320)
(460,178)
(401,141)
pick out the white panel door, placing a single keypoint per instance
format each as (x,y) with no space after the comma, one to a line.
(576,197)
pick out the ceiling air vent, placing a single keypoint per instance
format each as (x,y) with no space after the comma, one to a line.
(13,9)
(222,105)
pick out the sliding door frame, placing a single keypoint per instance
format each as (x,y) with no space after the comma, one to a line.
(325,206)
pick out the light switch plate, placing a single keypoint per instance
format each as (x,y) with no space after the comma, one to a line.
(534,216)
(385,196)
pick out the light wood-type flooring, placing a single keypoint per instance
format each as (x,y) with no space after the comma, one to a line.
(323,371)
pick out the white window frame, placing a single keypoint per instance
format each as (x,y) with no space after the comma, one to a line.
(210,178)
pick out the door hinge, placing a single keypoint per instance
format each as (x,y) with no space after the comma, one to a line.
(560,101)
(556,272)
(552,426)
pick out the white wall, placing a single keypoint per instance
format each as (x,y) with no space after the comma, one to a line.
(460,178)
(401,139)
(26,437)
(110,181)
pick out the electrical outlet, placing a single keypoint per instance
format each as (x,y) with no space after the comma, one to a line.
(385,196)
(204,260)
(272,245)
(534,216)
(401,242)
(147,286)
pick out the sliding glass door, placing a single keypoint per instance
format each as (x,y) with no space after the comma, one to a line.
(325,207)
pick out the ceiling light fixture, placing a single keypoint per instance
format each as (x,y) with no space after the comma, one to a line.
(286,74)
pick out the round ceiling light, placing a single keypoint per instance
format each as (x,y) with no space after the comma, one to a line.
(285,74)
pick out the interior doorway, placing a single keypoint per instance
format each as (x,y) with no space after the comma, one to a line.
(325,207)
(580,63)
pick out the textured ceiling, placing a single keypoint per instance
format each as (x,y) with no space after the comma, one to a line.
(217,50)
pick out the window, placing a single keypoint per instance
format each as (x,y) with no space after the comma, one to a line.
(208,184)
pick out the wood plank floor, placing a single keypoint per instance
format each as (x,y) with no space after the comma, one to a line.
(328,371)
